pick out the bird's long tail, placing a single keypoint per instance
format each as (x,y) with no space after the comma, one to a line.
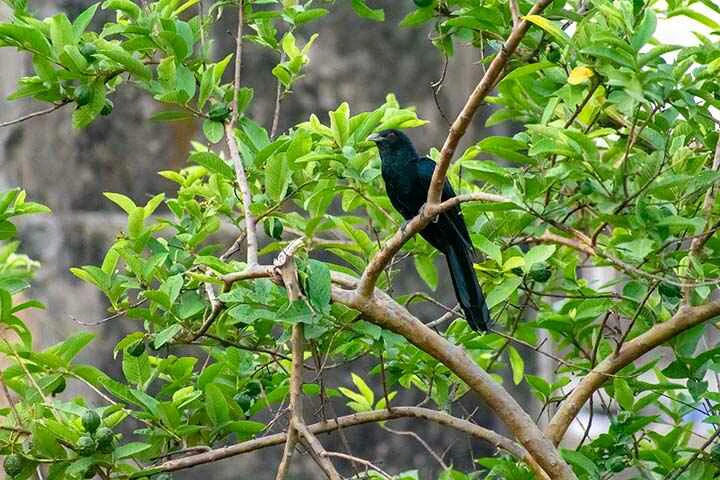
(467,289)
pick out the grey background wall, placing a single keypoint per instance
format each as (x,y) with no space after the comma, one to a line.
(354,60)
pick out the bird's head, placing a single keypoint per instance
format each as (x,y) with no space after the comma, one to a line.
(393,143)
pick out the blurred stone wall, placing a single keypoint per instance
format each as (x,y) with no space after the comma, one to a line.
(353,60)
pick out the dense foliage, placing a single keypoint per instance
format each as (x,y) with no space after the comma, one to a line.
(613,167)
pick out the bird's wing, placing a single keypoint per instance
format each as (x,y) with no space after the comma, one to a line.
(426,167)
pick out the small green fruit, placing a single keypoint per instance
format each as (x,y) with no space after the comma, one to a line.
(105,439)
(586,187)
(83,95)
(91,421)
(553,55)
(669,290)
(540,272)
(59,387)
(137,348)
(273,228)
(85,446)
(219,113)
(107,108)
(177,268)
(252,389)
(88,51)
(244,401)
(616,464)
(423,3)
(13,464)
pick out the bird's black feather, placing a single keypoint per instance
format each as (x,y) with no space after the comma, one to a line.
(407,179)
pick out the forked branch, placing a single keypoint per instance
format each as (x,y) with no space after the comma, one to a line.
(684,319)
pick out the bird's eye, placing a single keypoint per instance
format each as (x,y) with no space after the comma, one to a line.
(391,135)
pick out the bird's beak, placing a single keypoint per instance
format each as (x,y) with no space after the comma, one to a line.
(375,137)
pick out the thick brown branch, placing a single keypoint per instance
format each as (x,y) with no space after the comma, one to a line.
(684,319)
(349,421)
(489,80)
(382,310)
(295,406)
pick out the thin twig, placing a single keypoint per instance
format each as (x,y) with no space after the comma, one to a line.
(238,64)
(34,114)
(361,461)
(250,225)
(278,101)
(695,456)
(421,442)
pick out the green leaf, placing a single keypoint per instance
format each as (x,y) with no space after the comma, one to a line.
(517,365)
(491,249)
(136,222)
(123,57)
(580,461)
(623,393)
(214,164)
(61,32)
(130,450)
(277,176)
(418,17)
(214,131)
(340,125)
(645,30)
(538,254)
(364,11)
(366,392)
(121,201)
(425,266)
(7,230)
(167,335)
(550,28)
(695,15)
(216,405)
(245,427)
(126,6)
(505,147)
(83,20)
(319,286)
(503,291)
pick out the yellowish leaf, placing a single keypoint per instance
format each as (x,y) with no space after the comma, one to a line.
(580,75)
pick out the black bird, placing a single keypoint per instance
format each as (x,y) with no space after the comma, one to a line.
(407,179)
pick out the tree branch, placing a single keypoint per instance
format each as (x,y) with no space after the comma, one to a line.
(685,318)
(250,229)
(238,63)
(385,312)
(457,130)
(34,114)
(385,255)
(698,242)
(361,461)
(295,405)
(489,80)
(346,421)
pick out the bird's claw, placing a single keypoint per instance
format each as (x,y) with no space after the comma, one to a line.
(423,210)
(404,226)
